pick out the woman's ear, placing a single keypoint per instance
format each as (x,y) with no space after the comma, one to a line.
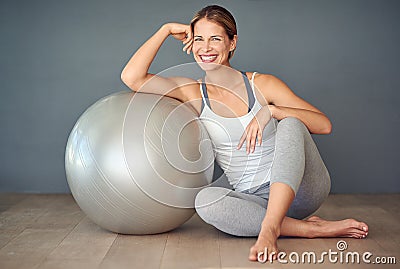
(232,46)
(233,43)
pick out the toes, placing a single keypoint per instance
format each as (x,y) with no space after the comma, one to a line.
(363,227)
(358,225)
(253,254)
(356,233)
(252,257)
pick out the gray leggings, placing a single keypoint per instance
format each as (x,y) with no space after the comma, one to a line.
(297,163)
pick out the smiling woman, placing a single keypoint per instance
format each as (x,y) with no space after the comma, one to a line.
(216,48)
(223,26)
(260,132)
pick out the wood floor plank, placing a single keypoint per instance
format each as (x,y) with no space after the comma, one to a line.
(69,264)
(12,198)
(8,200)
(86,242)
(388,202)
(61,213)
(135,251)
(193,245)
(29,209)
(20,215)
(32,244)
(9,233)
(31,263)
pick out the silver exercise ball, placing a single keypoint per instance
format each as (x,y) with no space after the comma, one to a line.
(135,162)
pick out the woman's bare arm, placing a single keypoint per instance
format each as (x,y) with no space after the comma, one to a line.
(287,104)
(135,74)
(280,102)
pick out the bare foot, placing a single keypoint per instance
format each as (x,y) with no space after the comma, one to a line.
(339,228)
(265,249)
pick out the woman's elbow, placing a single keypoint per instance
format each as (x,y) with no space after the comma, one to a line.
(327,129)
(128,81)
(125,77)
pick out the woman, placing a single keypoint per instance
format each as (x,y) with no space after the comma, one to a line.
(278,176)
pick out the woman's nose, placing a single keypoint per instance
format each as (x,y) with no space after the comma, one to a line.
(206,46)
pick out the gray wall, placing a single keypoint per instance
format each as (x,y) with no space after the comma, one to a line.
(59,57)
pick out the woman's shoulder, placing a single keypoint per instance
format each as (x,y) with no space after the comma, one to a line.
(265,82)
(267,86)
(188,88)
(264,77)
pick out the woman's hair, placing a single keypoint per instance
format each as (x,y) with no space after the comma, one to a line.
(220,16)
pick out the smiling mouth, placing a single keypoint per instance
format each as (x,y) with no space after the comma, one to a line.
(208,58)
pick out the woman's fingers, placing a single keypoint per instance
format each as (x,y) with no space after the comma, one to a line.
(248,141)
(181,32)
(254,139)
(188,46)
(255,134)
(242,139)
(251,139)
(188,41)
(189,35)
(250,135)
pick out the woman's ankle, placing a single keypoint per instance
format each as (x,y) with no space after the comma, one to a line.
(273,229)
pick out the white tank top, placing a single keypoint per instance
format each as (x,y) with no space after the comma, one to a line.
(244,172)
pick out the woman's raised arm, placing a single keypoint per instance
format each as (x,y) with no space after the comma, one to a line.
(135,74)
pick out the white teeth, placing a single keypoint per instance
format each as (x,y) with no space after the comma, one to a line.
(208,58)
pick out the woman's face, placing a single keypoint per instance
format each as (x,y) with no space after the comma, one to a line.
(211,44)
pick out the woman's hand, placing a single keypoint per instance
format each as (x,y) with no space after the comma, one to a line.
(255,129)
(181,32)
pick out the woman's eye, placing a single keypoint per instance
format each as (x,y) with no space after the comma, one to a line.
(216,39)
(197,39)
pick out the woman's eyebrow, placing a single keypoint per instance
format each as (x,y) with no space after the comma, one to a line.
(210,36)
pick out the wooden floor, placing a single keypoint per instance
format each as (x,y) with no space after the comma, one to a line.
(50,231)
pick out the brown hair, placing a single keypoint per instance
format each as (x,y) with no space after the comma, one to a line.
(219,15)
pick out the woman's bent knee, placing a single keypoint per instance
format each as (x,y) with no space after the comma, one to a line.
(210,195)
(293,123)
(206,203)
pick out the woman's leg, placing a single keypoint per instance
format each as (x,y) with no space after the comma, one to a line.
(232,212)
(241,214)
(297,169)
(299,184)
(313,189)
(298,164)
